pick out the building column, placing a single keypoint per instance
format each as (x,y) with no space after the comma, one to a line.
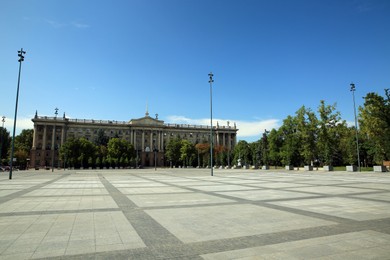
(224,139)
(135,139)
(158,139)
(35,137)
(230,141)
(217,135)
(62,135)
(151,141)
(44,138)
(53,137)
(143,141)
(162,140)
(131,136)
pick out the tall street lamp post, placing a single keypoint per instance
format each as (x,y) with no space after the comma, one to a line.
(356,124)
(2,131)
(21,58)
(211,120)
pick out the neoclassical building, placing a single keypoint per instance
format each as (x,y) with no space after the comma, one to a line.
(148,135)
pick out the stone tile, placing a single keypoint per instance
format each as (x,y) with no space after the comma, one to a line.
(69,233)
(57,203)
(16,256)
(277,185)
(111,247)
(374,186)
(175,199)
(317,248)
(355,209)
(258,195)
(5,192)
(189,205)
(139,184)
(331,190)
(194,184)
(67,192)
(220,222)
(151,190)
(15,186)
(80,247)
(48,253)
(52,246)
(223,187)
(239,181)
(376,196)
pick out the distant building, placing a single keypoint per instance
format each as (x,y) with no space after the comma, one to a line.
(148,135)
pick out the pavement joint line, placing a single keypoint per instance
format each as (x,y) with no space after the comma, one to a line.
(277,207)
(263,204)
(51,212)
(25,191)
(193,250)
(150,231)
(368,199)
(220,245)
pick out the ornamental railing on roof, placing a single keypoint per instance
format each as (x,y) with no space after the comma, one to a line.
(115,122)
(198,126)
(89,121)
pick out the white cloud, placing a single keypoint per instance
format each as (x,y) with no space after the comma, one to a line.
(350,123)
(80,25)
(21,124)
(55,24)
(76,24)
(247,129)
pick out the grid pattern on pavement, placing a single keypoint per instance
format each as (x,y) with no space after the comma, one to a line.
(187,214)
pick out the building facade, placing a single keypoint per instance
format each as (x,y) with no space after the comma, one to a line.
(148,135)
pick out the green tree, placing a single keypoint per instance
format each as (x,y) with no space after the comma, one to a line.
(70,151)
(101,152)
(242,153)
(172,152)
(329,134)
(88,150)
(101,138)
(203,150)
(291,145)
(21,158)
(255,153)
(5,144)
(348,146)
(187,152)
(98,162)
(275,142)
(23,145)
(306,126)
(119,148)
(264,148)
(76,152)
(220,154)
(24,140)
(375,125)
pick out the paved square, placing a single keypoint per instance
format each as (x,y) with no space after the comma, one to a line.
(66,234)
(355,209)
(268,194)
(159,200)
(188,214)
(355,245)
(221,222)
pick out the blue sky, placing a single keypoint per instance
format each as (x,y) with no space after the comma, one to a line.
(108,60)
